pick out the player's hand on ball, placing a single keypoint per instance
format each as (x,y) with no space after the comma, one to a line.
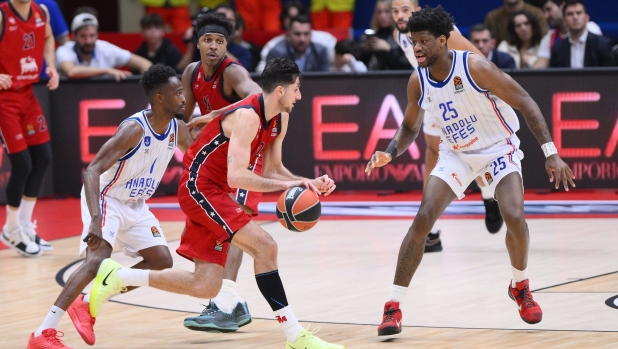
(378,159)
(558,170)
(325,184)
(95,235)
(307,183)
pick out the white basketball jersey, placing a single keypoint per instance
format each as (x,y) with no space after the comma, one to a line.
(138,173)
(406,45)
(471,118)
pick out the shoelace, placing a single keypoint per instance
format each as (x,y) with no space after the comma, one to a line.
(389,314)
(52,337)
(208,310)
(313,339)
(526,298)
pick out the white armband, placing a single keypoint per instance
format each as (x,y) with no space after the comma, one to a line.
(549,149)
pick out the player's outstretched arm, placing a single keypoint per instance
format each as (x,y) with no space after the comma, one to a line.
(487,76)
(126,138)
(188,91)
(407,132)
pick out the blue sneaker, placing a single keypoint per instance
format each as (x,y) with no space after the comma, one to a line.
(241,314)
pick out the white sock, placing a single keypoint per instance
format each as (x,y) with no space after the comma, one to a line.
(12,218)
(26,208)
(398,293)
(227,298)
(51,320)
(134,277)
(434,230)
(288,323)
(518,275)
(486,192)
(87,298)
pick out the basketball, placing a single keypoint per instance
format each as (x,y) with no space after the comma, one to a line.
(298,209)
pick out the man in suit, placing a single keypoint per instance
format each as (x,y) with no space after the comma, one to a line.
(482,38)
(582,48)
(297,46)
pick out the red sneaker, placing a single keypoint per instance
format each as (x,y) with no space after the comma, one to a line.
(79,312)
(529,310)
(48,340)
(391,320)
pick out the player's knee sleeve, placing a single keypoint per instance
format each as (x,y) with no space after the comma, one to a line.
(41,156)
(21,167)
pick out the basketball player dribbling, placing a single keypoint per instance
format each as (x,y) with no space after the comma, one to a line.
(401,11)
(217,161)
(215,82)
(122,176)
(25,40)
(473,100)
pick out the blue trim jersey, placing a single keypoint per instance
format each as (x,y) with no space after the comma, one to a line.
(138,173)
(470,117)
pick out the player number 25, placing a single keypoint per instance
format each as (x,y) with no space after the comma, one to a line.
(447,108)
(498,165)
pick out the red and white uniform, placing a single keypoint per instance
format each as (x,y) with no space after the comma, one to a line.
(22,44)
(210,96)
(212,215)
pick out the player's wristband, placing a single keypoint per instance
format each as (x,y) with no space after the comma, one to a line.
(392,149)
(549,149)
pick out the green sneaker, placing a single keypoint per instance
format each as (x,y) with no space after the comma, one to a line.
(306,340)
(212,319)
(106,284)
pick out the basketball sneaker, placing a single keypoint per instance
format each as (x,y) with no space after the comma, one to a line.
(433,242)
(493,218)
(106,284)
(212,319)
(30,229)
(391,320)
(79,311)
(241,314)
(307,340)
(18,240)
(48,340)
(529,310)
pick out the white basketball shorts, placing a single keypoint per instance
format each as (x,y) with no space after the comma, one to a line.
(459,169)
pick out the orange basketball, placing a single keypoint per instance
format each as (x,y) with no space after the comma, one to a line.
(298,209)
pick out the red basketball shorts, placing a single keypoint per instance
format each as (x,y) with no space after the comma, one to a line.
(21,120)
(213,218)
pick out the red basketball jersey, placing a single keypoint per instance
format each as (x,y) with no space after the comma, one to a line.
(209,93)
(22,44)
(206,160)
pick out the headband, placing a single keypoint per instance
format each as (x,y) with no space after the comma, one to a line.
(213,28)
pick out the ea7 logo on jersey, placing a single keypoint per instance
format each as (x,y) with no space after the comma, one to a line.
(458,84)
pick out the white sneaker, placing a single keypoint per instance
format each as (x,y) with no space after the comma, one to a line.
(29,229)
(18,240)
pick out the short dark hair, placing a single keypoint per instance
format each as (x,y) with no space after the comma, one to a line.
(347,46)
(151,20)
(302,19)
(214,18)
(568,3)
(513,39)
(285,9)
(155,77)
(481,28)
(279,71)
(557,2)
(432,19)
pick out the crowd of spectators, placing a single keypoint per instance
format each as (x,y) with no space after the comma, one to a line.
(517,35)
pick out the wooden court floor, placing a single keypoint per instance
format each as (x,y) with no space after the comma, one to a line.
(338,275)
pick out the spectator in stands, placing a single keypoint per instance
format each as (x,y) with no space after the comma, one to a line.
(482,38)
(234,50)
(259,14)
(175,13)
(380,50)
(308,55)
(524,37)
(553,14)
(59,27)
(239,40)
(87,56)
(346,53)
(496,20)
(156,48)
(290,10)
(582,48)
(327,14)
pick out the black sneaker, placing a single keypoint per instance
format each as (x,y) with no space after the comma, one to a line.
(212,320)
(433,242)
(18,240)
(493,218)
(241,313)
